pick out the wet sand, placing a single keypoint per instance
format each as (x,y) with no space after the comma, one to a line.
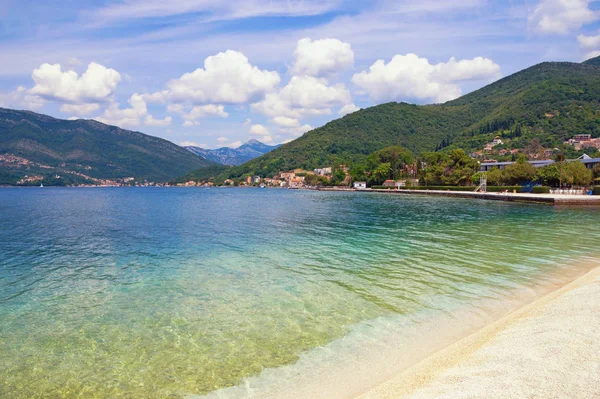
(547,349)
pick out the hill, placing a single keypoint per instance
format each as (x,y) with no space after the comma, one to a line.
(234,156)
(551,101)
(84,151)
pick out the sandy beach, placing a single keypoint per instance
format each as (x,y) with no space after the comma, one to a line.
(547,349)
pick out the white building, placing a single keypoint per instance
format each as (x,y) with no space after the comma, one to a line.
(360,185)
(322,171)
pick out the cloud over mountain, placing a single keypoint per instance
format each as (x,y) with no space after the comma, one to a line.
(412,77)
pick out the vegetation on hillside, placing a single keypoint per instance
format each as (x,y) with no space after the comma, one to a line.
(550,102)
(86,147)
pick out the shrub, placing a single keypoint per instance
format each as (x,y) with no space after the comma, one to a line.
(540,190)
(596,190)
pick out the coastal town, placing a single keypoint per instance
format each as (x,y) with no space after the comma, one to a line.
(496,154)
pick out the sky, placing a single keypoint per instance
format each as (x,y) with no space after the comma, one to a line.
(216,73)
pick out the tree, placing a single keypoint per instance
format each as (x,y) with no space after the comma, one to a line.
(575,174)
(596,170)
(549,175)
(358,172)
(380,174)
(495,177)
(519,172)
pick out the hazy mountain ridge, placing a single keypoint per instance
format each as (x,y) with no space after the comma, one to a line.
(234,156)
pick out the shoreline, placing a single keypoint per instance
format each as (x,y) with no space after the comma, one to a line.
(544,199)
(376,353)
(534,341)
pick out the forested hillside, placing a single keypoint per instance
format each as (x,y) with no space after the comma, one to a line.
(551,101)
(32,143)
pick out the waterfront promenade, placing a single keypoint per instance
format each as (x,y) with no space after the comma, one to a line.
(551,199)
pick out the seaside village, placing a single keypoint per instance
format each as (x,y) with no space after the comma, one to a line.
(497,148)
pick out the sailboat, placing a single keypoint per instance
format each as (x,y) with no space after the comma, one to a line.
(41,184)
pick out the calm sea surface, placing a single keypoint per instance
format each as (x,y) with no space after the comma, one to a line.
(156,293)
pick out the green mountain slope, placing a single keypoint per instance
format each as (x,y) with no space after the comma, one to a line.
(45,146)
(550,101)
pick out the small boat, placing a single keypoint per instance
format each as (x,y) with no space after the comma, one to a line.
(41,184)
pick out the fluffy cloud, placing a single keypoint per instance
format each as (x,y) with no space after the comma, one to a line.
(95,85)
(561,16)
(150,121)
(20,98)
(303,96)
(411,77)
(258,130)
(127,117)
(284,121)
(192,114)
(321,58)
(226,78)
(348,109)
(79,109)
(590,45)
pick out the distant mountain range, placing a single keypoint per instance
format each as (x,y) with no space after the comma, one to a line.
(234,156)
(84,151)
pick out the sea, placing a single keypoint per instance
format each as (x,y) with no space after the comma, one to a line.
(259,293)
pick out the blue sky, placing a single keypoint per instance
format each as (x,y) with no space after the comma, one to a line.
(217,73)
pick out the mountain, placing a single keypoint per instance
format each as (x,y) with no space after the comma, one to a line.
(84,151)
(234,156)
(550,101)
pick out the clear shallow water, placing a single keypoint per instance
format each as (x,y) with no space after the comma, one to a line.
(123,293)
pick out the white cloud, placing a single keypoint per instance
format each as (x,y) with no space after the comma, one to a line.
(258,130)
(226,78)
(303,96)
(224,140)
(323,57)
(150,121)
(284,121)
(348,109)
(247,122)
(589,42)
(561,16)
(79,109)
(20,98)
(127,117)
(95,85)
(411,77)
(590,45)
(296,131)
(191,115)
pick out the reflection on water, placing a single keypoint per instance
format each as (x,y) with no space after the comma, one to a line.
(118,293)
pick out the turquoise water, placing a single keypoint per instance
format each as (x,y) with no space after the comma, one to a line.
(162,293)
